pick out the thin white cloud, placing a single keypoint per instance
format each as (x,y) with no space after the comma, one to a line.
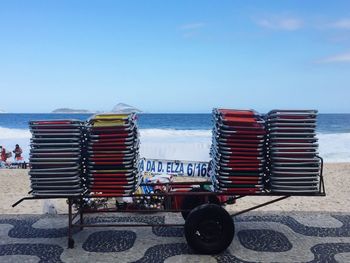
(191,30)
(339,58)
(192,26)
(281,23)
(190,34)
(341,24)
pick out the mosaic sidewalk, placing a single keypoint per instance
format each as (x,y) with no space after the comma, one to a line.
(259,237)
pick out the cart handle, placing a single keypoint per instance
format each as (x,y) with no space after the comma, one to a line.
(322,189)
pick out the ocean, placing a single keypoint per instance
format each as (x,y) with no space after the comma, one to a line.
(180,136)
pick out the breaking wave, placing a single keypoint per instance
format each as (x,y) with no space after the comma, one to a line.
(191,145)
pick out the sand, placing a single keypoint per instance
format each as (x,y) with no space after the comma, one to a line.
(337,199)
(15,184)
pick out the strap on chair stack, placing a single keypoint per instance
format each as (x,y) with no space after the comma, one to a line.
(113,147)
(292,144)
(56,158)
(237,151)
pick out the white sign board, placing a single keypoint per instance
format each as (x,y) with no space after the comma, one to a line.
(180,168)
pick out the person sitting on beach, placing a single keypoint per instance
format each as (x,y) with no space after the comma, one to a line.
(18,153)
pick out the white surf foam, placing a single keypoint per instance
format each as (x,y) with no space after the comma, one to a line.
(191,145)
(195,145)
(7,133)
(10,137)
(335,147)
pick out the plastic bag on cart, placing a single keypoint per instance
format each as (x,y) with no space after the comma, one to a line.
(49,207)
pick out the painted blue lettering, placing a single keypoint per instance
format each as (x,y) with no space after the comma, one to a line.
(153,167)
(181,168)
(141,166)
(148,166)
(190,169)
(168,167)
(160,167)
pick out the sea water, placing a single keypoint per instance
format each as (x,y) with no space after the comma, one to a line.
(180,136)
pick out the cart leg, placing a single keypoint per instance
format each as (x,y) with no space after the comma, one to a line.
(70,238)
(81,213)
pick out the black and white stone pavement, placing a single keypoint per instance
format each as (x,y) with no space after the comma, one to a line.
(259,237)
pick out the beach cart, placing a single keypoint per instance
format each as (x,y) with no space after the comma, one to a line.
(251,155)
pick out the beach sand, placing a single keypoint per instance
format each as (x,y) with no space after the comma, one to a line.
(15,184)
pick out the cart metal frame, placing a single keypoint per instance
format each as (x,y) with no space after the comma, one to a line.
(73,223)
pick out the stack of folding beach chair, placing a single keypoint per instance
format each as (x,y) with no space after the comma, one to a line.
(113,146)
(56,158)
(238,151)
(292,146)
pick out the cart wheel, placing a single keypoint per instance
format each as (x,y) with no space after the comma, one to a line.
(209,229)
(70,243)
(192,201)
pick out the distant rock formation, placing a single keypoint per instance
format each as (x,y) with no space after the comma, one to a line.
(2,111)
(124,108)
(67,110)
(119,108)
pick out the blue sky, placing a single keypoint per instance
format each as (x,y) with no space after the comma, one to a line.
(174,56)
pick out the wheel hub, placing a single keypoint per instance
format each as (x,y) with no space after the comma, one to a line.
(209,230)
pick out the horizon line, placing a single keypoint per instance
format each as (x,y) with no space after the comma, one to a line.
(99,112)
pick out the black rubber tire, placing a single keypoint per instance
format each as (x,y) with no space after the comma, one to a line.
(192,201)
(209,229)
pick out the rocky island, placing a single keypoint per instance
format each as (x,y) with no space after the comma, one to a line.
(124,108)
(68,110)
